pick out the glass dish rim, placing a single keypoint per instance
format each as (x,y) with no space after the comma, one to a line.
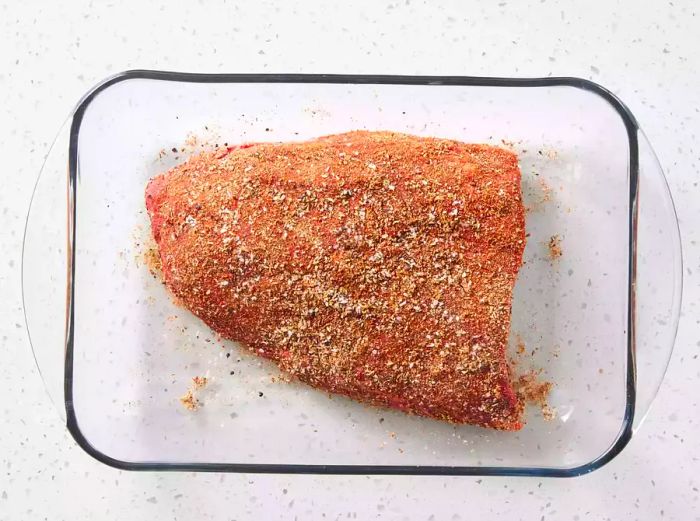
(632,128)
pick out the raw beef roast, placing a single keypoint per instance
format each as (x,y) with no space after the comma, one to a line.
(376,265)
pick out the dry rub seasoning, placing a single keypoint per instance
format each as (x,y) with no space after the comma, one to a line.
(376,265)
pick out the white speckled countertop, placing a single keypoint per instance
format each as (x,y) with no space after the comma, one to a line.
(51,54)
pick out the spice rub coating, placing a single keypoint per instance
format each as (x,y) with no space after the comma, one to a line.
(376,265)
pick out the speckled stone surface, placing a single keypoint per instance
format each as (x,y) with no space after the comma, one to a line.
(51,54)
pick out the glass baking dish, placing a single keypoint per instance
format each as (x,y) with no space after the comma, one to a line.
(599,321)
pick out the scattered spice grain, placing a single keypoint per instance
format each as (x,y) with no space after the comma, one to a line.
(554,247)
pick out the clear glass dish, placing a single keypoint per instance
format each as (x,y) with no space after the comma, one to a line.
(117,354)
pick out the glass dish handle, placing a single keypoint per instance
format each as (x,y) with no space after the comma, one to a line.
(45,268)
(658,280)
